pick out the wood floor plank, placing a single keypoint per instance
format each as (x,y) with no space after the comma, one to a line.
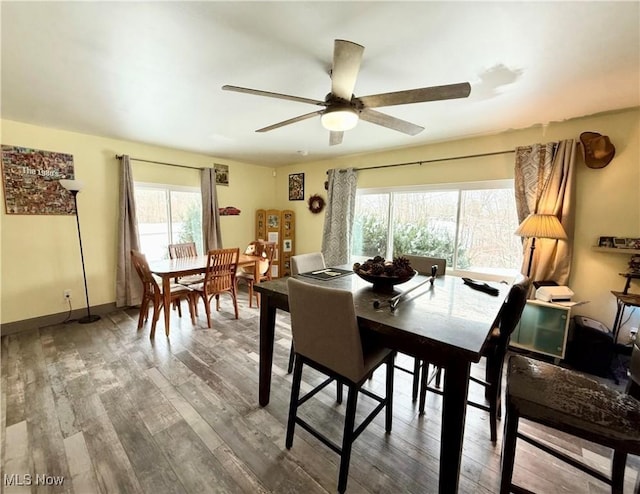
(83,477)
(113,470)
(156,411)
(319,462)
(255,449)
(15,458)
(196,467)
(151,468)
(45,437)
(204,431)
(14,392)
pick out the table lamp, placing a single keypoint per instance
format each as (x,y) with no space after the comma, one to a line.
(540,226)
(75,186)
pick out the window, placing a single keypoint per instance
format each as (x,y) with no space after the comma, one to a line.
(167,214)
(471,225)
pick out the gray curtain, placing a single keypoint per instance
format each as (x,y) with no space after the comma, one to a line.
(544,183)
(338,219)
(128,285)
(211,234)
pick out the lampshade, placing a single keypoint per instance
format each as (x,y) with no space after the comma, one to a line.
(339,119)
(541,226)
(72,185)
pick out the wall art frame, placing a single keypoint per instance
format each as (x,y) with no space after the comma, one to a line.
(296,187)
(222,174)
(30,178)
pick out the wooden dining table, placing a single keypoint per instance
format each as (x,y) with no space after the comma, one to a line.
(168,269)
(446,324)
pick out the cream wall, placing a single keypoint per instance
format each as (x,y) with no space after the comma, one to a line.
(40,254)
(607,200)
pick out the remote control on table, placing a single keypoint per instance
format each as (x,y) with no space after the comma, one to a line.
(483,287)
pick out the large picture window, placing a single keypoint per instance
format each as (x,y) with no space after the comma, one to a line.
(471,225)
(167,214)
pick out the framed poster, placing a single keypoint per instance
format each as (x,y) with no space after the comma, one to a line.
(30,179)
(222,174)
(296,187)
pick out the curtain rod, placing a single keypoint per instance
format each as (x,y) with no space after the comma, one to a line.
(436,160)
(119,156)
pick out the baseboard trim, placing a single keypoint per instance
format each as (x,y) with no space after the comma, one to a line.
(52,319)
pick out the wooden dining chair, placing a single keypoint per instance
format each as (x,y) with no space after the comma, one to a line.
(152,294)
(266,250)
(219,278)
(327,338)
(187,249)
(494,353)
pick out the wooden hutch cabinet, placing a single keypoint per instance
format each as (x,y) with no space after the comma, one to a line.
(274,225)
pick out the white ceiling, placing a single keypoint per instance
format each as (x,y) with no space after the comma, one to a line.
(152,72)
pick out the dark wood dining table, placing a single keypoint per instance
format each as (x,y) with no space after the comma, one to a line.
(446,324)
(168,269)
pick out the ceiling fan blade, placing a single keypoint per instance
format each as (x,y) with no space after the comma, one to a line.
(390,122)
(290,121)
(434,93)
(335,138)
(347,57)
(269,94)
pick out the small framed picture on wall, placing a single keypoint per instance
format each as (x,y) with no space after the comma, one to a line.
(605,242)
(296,187)
(222,174)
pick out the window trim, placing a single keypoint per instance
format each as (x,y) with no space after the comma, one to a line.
(476,185)
(154,185)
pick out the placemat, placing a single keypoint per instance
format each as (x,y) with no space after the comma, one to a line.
(327,273)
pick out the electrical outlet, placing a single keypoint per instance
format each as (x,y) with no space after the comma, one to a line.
(633,331)
(67,294)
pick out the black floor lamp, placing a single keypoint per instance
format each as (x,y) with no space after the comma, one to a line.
(540,226)
(75,186)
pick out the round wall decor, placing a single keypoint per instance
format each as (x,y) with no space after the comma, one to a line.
(316,203)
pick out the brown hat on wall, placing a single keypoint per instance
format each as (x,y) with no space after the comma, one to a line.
(598,150)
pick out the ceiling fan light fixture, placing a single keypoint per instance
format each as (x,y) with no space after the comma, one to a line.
(339,119)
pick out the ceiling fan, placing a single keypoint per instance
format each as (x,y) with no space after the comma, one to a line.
(342,109)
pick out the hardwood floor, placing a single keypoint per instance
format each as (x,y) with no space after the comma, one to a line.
(108,410)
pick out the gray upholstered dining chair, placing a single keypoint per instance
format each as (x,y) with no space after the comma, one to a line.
(303,263)
(327,338)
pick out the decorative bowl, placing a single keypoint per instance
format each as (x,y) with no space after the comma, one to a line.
(382,282)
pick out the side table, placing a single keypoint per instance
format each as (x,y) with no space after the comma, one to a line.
(623,300)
